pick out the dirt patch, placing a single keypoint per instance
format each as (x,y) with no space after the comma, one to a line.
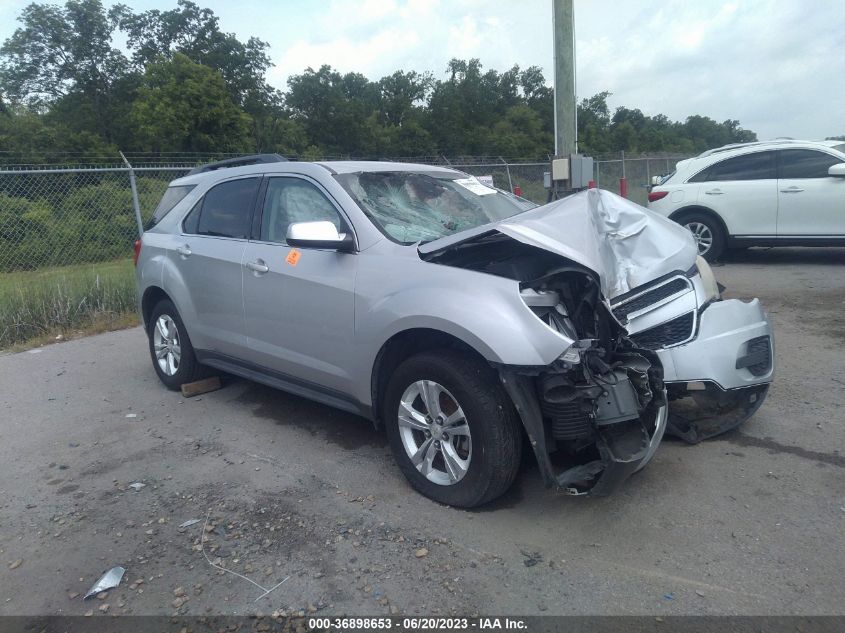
(774,448)
(342,429)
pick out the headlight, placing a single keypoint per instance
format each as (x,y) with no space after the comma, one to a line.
(708,279)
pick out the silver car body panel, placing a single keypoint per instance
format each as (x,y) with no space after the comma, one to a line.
(625,244)
(724,329)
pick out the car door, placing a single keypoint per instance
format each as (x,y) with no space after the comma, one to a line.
(299,303)
(743,191)
(810,202)
(208,254)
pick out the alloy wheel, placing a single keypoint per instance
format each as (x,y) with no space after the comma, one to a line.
(166,344)
(434,432)
(702,235)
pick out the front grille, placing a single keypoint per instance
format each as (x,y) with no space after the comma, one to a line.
(568,419)
(672,332)
(758,356)
(650,297)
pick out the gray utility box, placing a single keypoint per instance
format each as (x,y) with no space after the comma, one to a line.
(581,171)
(576,170)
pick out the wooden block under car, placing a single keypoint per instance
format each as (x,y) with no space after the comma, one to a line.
(199,387)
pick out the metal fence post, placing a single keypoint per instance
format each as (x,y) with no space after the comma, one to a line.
(508,169)
(135,202)
(623,182)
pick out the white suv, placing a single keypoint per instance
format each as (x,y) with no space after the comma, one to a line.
(775,193)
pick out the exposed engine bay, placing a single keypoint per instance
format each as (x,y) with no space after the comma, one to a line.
(596,414)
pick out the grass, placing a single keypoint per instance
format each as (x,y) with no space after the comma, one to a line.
(37,307)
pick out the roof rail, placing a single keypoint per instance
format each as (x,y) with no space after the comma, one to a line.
(725,148)
(240,161)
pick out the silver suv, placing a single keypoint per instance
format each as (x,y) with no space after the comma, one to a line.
(461,318)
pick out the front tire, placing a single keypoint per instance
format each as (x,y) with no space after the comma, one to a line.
(171,351)
(452,428)
(707,232)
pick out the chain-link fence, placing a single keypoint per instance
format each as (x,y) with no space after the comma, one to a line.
(66,234)
(523,178)
(66,244)
(60,216)
(57,217)
(637,171)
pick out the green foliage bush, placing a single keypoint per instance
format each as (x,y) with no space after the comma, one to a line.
(58,222)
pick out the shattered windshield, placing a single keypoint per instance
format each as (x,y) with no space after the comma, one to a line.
(413,207)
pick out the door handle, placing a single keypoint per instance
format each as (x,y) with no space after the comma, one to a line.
(258,266)
(792,190)
(184,250)
(714,192)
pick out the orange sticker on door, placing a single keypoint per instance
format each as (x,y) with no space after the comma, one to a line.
(293,257)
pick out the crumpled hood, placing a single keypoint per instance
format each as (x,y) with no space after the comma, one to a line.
(625,244)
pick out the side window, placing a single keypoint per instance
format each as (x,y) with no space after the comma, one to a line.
(192,220)
(225,210)
(172,196)
(291,200)
(757,166)
(805,163)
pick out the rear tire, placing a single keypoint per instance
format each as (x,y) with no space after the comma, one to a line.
(707,232)
(486,440)
(171,351)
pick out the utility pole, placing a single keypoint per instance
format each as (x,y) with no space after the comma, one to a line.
(564,49)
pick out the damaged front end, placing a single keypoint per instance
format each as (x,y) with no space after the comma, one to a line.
(647,343)
(597,414)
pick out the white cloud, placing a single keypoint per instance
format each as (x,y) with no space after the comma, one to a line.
(413,35)
(776,65)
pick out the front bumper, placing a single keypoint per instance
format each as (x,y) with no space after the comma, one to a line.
(623,449)
(719,350)
(719,379)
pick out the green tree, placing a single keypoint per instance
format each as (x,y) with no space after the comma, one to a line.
(401,94)
(65,54)
(333,108)
(195,32)
(184,106)
(520,133)
(26,136)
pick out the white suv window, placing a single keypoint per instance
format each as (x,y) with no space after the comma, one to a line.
(756,166)
(805,163)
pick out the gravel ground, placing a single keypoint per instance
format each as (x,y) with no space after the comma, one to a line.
(750,523)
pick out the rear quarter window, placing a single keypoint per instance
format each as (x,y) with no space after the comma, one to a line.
(172,196)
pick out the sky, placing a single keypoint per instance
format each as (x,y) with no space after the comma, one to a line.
(778,66)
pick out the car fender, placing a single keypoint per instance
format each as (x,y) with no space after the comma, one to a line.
(483,311)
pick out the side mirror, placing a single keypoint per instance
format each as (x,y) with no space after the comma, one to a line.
(322,234)
(837,170)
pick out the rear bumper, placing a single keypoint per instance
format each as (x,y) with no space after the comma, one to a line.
(719,379)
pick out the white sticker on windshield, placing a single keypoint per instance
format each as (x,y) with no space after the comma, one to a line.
(475,186)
